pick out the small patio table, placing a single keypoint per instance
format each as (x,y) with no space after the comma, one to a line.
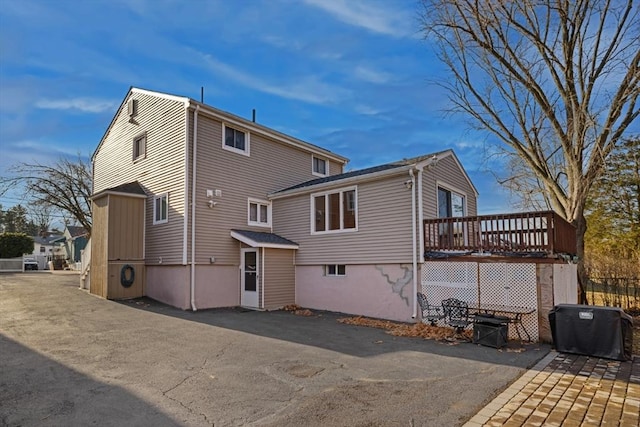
(514,314)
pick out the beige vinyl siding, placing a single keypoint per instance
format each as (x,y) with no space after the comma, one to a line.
(447,172)
(271,166)
(161,170)
(335,168)
(279,278)
(383,221)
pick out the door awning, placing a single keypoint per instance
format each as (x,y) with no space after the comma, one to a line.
(257,239)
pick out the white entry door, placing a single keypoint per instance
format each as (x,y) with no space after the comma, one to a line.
(250,280)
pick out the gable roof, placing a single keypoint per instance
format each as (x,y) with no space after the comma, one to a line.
(133,189)
(257,239)
(76,231)
(48,240)
(366,174)
(226,117)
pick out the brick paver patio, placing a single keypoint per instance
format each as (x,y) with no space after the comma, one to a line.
(568,390)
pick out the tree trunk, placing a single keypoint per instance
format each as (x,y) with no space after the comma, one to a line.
(580,223)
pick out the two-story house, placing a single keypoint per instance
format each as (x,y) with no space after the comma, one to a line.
(199,208)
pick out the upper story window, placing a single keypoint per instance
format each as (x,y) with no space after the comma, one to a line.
(161,208)
(139,147)
(334,211)
(319,166)
(235,140)
(259,213)
(450,203)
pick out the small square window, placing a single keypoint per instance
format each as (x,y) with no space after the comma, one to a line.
(259,213)
(319,166)
(139,147)
(235,140)
(335,270)
(161,209)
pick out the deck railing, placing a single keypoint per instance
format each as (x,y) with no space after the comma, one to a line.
(518,232)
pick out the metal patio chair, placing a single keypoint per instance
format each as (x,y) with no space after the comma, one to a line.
(431,313)
(456,314)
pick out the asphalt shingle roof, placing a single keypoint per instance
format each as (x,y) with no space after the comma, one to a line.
(265,238)
(346,175)
(129,187)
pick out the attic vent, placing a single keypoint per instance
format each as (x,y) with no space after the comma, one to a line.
(132,107)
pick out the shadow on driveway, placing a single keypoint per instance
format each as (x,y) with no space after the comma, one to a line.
(324,331)
(36,390)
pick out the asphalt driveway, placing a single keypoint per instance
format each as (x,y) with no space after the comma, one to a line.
(70,358)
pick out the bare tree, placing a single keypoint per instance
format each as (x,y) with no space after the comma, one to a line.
(40,216)
(64,186)
(555,81)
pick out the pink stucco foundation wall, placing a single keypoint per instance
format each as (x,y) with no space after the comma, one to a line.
(168,284)
(217,286)
(383,291)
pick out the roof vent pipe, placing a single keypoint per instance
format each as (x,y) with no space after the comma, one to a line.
(202,94)
(253,115)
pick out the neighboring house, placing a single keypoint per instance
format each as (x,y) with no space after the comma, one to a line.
(73,241)
(45,245)
(45,248)
(199,208)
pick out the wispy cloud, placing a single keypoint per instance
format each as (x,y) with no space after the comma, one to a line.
(366,14)
(85,105)
(371,75)
(308,89)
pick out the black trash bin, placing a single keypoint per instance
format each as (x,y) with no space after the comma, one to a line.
(489,330)
(592,331)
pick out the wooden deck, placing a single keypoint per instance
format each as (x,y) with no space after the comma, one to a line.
(531,232)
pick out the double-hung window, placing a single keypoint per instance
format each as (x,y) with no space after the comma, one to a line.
(319,166)
(235,140)
(334,211)
(139,147)
(259,213)
(161,208)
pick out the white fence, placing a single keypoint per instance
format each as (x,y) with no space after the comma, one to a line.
(10,265)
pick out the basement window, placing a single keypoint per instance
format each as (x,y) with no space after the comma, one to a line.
(335,270)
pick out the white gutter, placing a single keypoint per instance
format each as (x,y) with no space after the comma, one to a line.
(420,214)
(185,228)
(193,210)
(413,244)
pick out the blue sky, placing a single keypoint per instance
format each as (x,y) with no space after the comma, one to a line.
(353,76)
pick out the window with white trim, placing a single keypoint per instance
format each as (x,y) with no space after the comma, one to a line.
(139,147)
(235,140)
(319,166)
(259,213)
(335,270)
(161,208)
(334,211)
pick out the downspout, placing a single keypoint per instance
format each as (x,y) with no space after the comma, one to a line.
(413,244)
(262,276)
(420,215)
(193,210)
(185,228)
